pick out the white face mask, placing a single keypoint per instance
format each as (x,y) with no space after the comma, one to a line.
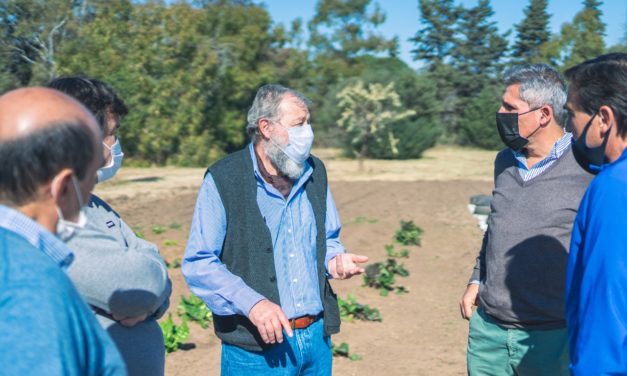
(66,229)
(109,171)
(300,140)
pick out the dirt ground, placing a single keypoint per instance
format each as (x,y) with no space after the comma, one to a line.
(422,332)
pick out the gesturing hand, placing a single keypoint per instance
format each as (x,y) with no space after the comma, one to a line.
(344,265)
(269,320)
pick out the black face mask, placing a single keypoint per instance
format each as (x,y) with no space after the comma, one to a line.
(590,159)
(507,125)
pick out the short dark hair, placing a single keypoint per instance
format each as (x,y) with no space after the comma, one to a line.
(94,94)
(31,161)
(602,81)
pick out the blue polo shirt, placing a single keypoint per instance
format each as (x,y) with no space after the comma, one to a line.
(45,326)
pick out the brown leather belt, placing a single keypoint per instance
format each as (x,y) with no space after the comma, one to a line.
(303,321)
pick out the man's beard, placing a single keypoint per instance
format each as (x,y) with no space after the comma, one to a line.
(281,161)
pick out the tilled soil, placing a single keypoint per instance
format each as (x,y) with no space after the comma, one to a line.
(421,333)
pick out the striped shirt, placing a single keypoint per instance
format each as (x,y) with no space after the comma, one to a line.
(36,235)
(558,149)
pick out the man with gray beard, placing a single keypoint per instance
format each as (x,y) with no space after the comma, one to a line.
(263,243)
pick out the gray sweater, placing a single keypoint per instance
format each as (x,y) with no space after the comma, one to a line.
(522,263)
(119,273)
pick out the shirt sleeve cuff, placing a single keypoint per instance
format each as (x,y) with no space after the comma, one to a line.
(247,298)
(474,282)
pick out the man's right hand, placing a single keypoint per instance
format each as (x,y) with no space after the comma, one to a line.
(270,321)
(468,300)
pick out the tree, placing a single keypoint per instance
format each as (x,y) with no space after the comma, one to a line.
(480,49)
(367,113)
(31,33)
(433,43)
(347,29)
(477,60)
(532,33)
(583,38)
(479,128)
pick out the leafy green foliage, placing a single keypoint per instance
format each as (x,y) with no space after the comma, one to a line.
(392,252)
(408,234)
(363,219)
(173,335)
(194,309)
(476,129)
(367,113)
(532,34)
(582,39)
(175,226)
(343,351)
(158,229)
(350,310)
(382,276)
(170,242)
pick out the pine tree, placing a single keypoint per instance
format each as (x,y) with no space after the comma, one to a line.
(583,38)
(532,33)
(435,40)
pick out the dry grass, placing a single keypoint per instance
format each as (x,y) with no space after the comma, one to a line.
(437,164)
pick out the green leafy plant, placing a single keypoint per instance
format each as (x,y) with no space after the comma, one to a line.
(175,226)
(408,234)
(362,219)
(343,351)
(174,264)
(194,309)
(174,335)
(382,276)
(391,252)
(170,242)
(158,229)
(350,310)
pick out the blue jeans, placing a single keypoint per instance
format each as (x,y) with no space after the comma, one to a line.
(308,352)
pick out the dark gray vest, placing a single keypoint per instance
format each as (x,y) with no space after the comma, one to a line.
(247,251)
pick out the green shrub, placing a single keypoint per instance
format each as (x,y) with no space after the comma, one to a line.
(350,310)
(173,335)
(408,234)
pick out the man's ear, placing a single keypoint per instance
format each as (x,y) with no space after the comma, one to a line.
(264,128)
(546,114)
(606,120)
(59,186)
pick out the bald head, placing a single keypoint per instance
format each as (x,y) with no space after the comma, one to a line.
(44,132)
(29,110)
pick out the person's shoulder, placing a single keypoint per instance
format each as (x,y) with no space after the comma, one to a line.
(98,204)
(20,261)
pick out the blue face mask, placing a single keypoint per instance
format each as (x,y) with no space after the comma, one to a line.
(107,172)
(300,140)
(590,159)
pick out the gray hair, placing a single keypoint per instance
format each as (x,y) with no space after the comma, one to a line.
(266,106)
(540,85)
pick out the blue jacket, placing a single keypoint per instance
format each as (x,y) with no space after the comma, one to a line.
(45,326)
(596,284)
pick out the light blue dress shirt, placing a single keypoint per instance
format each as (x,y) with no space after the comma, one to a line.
(293,229)
(36,235)
(558,149)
